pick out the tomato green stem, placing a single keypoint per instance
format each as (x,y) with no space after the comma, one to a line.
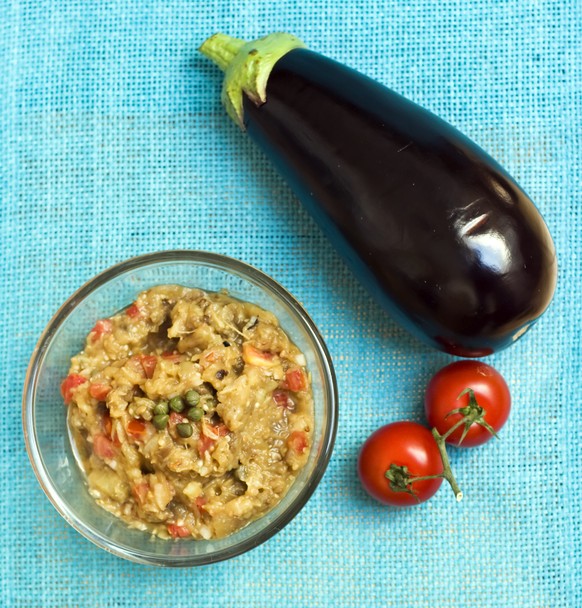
(472,414)
(399,476)
(447,471)
(455,426)
(401,480)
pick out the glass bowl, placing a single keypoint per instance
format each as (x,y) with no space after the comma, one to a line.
(44,415)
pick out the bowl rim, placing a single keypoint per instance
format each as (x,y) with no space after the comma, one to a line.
(185,256)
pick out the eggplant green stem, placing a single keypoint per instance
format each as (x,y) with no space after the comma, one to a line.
(221,49)
(246,66)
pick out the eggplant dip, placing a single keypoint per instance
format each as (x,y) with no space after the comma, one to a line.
(191,412)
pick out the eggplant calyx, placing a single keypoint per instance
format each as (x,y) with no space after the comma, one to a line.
(247,66)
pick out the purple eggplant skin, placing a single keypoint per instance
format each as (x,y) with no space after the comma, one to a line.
(436,230)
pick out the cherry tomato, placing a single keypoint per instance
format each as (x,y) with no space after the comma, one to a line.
(148,362)
(69,384)
(295,380)
(175,357)
(103,326)
(99,391)
(137,429)
(283,399)
(204,444)
(140,492)
(297,441)
(443,395)
(176,531)
(402,444)
(103,447)
(133,311)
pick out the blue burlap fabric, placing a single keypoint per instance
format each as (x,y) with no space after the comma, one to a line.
(113,143)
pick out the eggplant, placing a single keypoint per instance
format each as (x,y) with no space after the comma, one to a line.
(438,232)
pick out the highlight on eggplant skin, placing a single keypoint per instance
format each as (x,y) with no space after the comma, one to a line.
(438,232)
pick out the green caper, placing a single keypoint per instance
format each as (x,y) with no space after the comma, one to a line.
(195,414)
(176,404)
(161,408)
(184,429)
(192,397)
(161,421)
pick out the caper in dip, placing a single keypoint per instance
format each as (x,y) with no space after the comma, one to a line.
(191,412)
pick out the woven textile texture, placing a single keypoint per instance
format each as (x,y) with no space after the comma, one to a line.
(114,143)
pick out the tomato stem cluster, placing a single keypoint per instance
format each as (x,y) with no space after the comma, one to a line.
(401,480)
(447,470)
(472,413)
(399,476)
